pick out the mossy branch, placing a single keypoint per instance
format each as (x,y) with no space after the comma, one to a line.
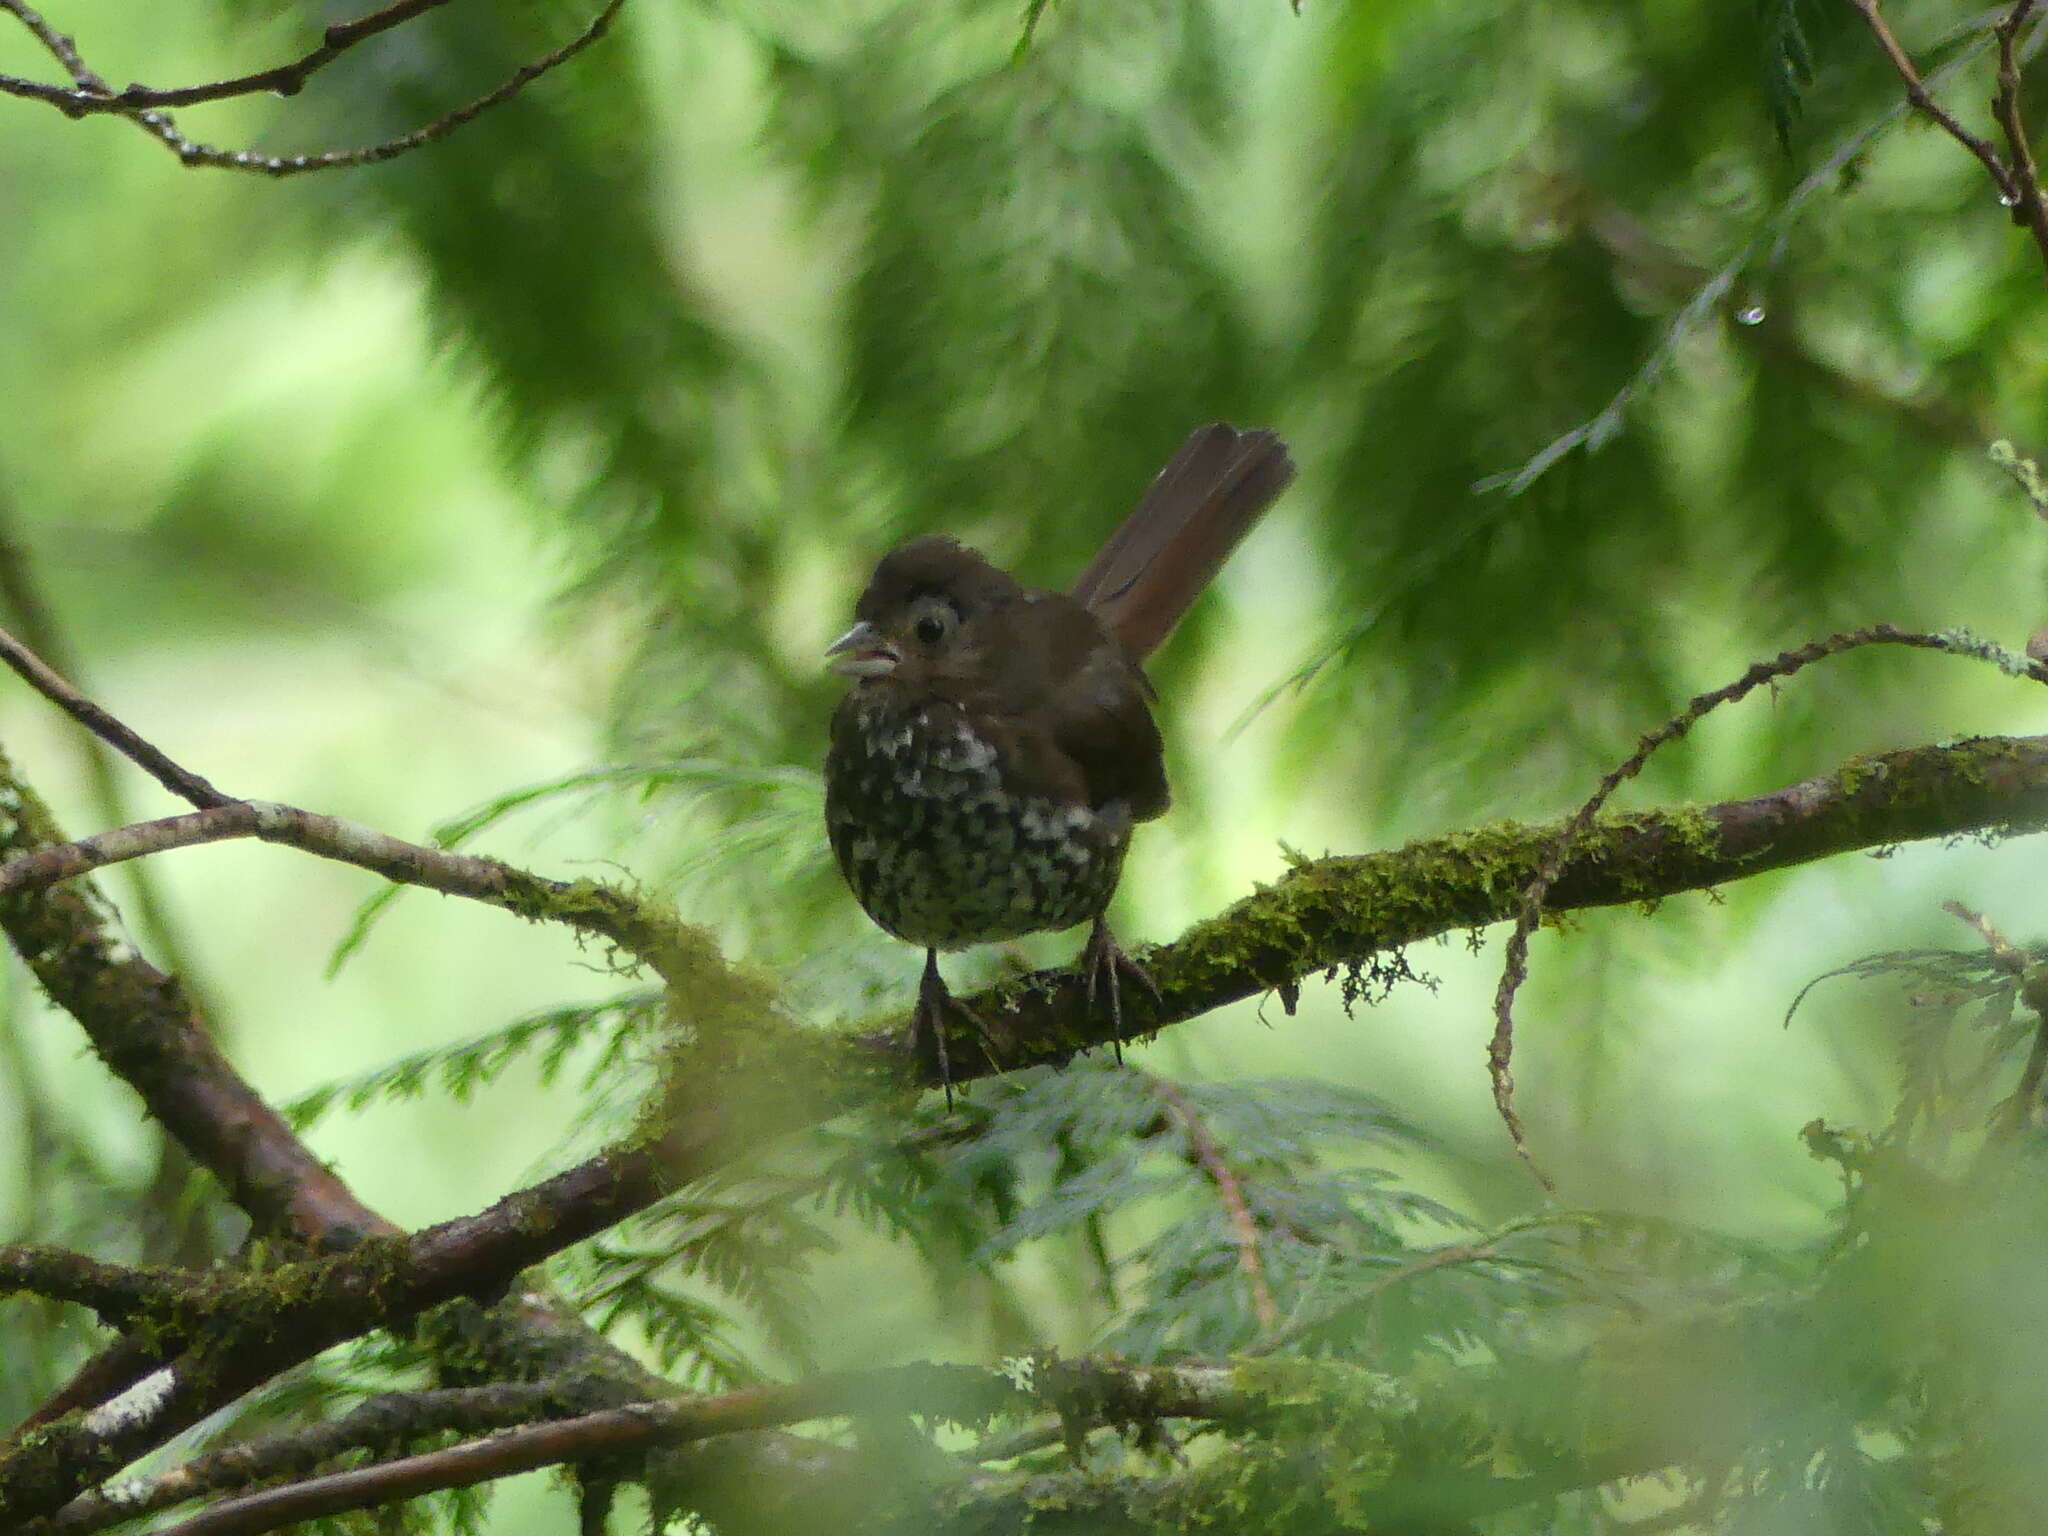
(1339,915)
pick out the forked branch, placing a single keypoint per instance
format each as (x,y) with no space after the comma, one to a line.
(89,95)
(2014,172)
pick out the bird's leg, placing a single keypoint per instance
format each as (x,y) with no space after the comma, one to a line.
(930,1019)
(934,1004)
(1103,964)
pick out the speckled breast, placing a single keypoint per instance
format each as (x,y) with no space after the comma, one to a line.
(941,852)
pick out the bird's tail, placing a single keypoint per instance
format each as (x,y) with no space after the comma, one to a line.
(1191,518)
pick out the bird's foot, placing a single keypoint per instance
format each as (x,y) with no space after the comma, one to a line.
(937,1009)
(1103,967)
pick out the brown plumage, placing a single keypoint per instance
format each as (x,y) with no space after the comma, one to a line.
(997,745)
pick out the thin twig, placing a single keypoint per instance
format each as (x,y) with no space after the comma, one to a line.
(640,929)
(2018,183)
(88,84)
(40,676)
(61,48)
(207,156)
(281,79)
(2029,208)
(1924,103)
(1209,1158)
(90,95)
(94,96)
(1500,1049)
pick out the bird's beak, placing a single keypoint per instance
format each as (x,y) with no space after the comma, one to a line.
(862,652)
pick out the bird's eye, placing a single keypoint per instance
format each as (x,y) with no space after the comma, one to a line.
(931,629)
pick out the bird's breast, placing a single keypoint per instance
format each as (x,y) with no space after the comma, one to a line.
(944,843)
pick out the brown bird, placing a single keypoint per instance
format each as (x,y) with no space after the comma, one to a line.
(997,745)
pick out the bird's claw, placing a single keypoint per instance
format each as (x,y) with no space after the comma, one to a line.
(936,1005)
(1103,965)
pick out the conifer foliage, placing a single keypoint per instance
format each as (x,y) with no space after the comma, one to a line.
(1666,381)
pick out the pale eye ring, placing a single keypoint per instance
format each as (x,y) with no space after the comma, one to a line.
(931,629)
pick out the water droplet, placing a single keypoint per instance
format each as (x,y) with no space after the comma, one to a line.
(1750,315)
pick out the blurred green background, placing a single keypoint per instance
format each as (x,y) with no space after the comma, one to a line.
(567,442)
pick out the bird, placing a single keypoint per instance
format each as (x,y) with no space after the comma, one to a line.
(996,747)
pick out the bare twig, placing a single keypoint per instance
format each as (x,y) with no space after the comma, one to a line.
(1229,1191)
(2029,209)
(641,929)
(90,95)
(1924,103)
(95,96)
(60,47)
(181,782)
(2018,183)
(1500,1049)
(206,155)
(283,79)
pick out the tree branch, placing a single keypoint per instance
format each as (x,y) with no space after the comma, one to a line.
(2019,185)
(750,1075)
(643,929)
(116,1292)
(2030,209)
(1215,1167)
(381,1422)
(89,95)
(193,153)
(39,675)
(140,1023)
(1324,915)
(280,79)
(955,1391)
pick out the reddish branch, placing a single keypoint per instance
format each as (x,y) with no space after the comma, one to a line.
(1216,1168)
(2017,179)
(379,1424)
(969,1392)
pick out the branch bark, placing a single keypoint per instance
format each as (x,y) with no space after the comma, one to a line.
(740,1085)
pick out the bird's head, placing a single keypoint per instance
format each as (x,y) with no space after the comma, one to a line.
(925,616)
